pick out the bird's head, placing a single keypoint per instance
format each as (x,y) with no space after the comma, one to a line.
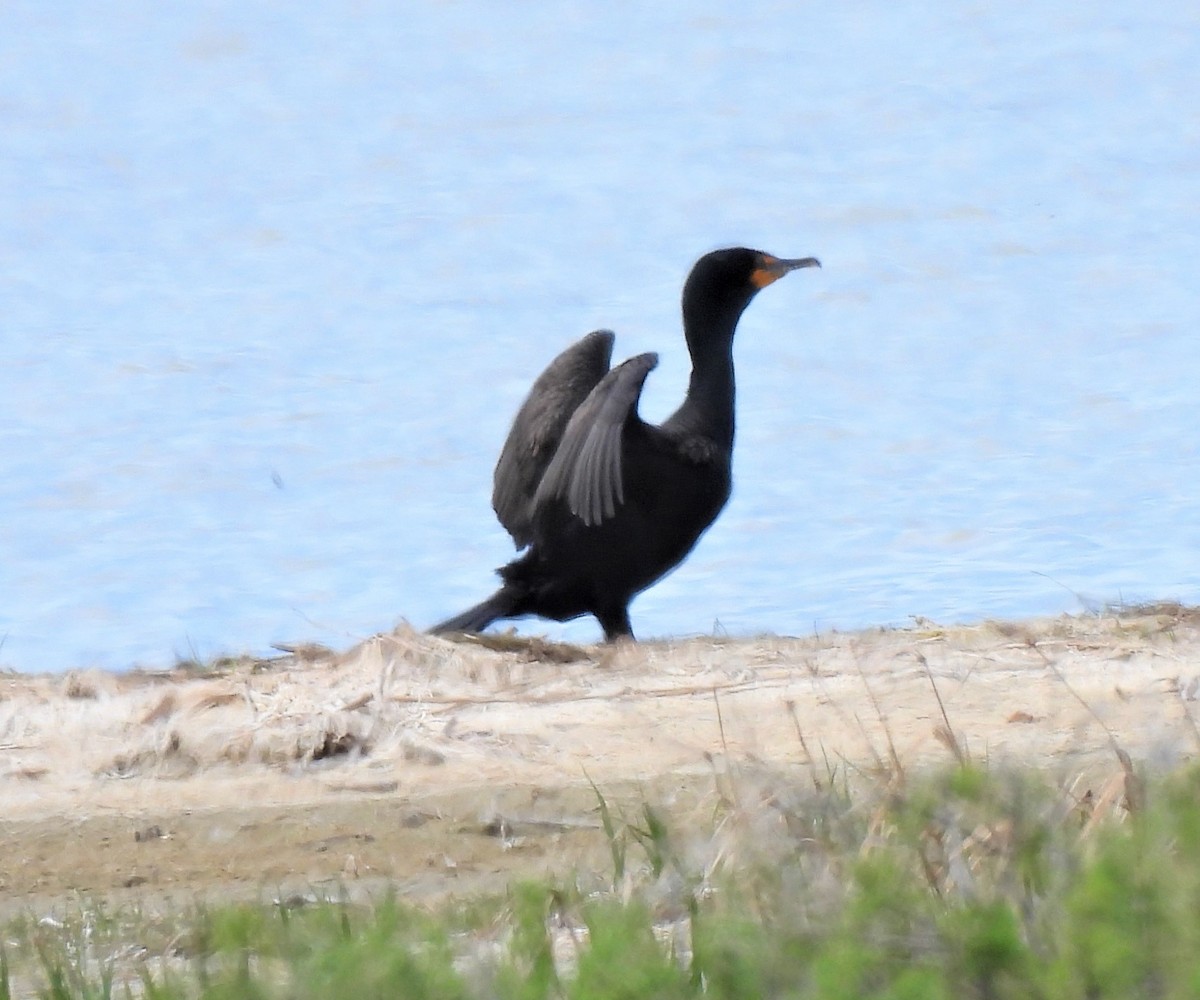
(723,282)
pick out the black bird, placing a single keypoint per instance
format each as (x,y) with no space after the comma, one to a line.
(606,503)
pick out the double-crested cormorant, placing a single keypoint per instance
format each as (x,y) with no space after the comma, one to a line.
(606,503)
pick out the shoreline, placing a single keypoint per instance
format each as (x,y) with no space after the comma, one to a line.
(393,759)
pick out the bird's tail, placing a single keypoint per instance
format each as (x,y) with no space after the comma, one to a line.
(504,603)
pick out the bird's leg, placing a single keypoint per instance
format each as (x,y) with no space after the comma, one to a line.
(615,622)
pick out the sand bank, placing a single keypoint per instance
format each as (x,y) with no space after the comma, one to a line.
(430,763)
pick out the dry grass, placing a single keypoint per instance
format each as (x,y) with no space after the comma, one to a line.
(511,731)
(1060,690)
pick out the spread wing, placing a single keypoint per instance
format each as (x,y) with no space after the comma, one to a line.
(586,468)
(539,427)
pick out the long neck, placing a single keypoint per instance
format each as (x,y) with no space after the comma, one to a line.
(708,409)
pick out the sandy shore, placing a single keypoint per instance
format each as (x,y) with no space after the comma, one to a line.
(448,766)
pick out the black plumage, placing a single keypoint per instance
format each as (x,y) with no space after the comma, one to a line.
(605,503)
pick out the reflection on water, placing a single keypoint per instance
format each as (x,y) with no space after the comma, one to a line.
(273,284)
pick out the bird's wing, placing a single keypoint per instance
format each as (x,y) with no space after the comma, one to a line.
(586,469)
(539,427)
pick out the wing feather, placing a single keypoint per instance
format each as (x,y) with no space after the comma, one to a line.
(539,426)
(586,469)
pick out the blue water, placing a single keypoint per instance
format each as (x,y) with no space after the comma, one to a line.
(274,278)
